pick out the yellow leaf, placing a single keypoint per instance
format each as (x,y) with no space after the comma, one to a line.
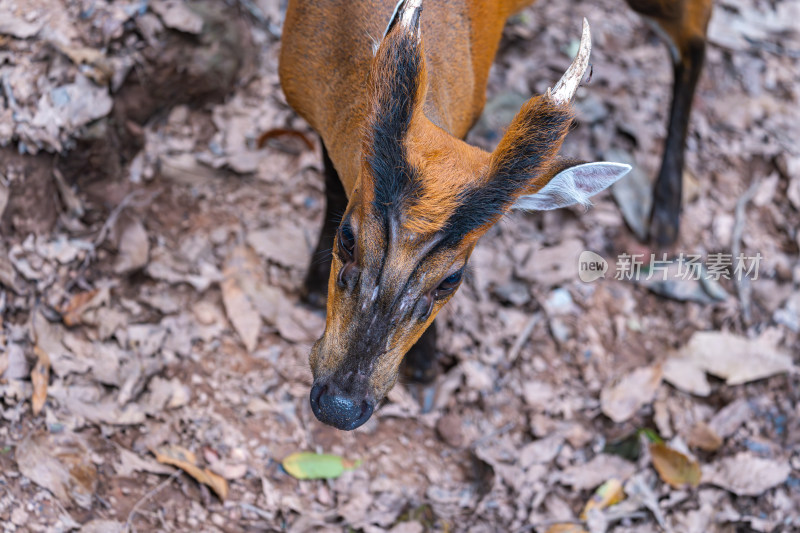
(673,467)
(606,495)
(566,528)
(187,461)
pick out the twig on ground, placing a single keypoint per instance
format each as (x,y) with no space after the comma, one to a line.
(130,199)
(266,515)
(522,338)
(158,488)
(548,523)
(742,282)
(499,431)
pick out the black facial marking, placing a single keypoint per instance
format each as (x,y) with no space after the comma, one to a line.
(395,179)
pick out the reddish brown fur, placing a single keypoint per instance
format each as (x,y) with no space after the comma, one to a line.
(460,38)
(683,21)
(448,165)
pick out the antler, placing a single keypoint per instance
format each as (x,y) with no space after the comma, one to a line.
(564,90)
(407,12)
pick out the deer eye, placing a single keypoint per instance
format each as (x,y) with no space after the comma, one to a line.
(347,242)
(448,285)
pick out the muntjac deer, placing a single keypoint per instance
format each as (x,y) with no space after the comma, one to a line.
(412,197)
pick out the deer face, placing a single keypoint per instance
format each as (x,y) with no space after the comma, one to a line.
(422,200)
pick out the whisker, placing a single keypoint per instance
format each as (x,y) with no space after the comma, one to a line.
(319,257)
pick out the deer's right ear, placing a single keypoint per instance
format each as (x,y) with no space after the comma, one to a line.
(573,183)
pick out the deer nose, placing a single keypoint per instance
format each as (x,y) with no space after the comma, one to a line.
(338,409)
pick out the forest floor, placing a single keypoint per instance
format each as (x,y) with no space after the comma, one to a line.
(150,277)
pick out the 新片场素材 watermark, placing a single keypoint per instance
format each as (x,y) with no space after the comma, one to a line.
(633,267)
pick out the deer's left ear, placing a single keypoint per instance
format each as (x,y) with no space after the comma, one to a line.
(572,183)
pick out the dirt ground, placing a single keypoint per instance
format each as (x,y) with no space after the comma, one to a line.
(152,256)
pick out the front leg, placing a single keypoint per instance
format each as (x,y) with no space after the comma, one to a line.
(683,26)
(420,365)
(420,368)
(315,290)
(665,214)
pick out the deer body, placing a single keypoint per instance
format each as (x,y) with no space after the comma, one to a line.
(392,93)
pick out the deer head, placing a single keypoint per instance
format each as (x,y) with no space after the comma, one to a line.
(422,200)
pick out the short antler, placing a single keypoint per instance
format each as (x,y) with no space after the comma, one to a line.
(564,90)
(407,12)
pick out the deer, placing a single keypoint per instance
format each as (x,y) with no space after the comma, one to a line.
(407,199)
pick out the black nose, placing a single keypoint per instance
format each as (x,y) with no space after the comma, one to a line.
(338,409)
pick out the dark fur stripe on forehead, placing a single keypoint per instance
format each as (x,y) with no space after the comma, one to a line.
(523,155)
(394,86)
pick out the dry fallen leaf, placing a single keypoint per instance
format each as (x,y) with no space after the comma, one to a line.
(554,265)
(105,411)
(187,461)
(730,418)
(95,64)
(40,377)
(233,467)
(72,312)
(674,467)
(18,27)
(177,15)
(284,244)
(4,360)
(61,463)
(735,359)
(241,269)
(685,375)
(704,437)
(606,495)
(597,471)
(130,462)
(102,526)
(640,493)
(134,248)
(165,393)
(746,474)
(540,451)
(623,398)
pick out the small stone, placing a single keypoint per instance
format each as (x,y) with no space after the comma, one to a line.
(514,292)
(559,302)
(19,516)
(560,329)
(449,429)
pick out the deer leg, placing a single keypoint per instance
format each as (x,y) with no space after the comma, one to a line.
(665,214)
(315,290)
(420,368)
(419,364)
(683,25)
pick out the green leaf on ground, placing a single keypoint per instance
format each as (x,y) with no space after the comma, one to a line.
(309,465)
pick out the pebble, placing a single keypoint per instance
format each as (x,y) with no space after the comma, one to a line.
(449,430)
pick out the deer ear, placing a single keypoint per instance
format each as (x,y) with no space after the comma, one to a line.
(574,184)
